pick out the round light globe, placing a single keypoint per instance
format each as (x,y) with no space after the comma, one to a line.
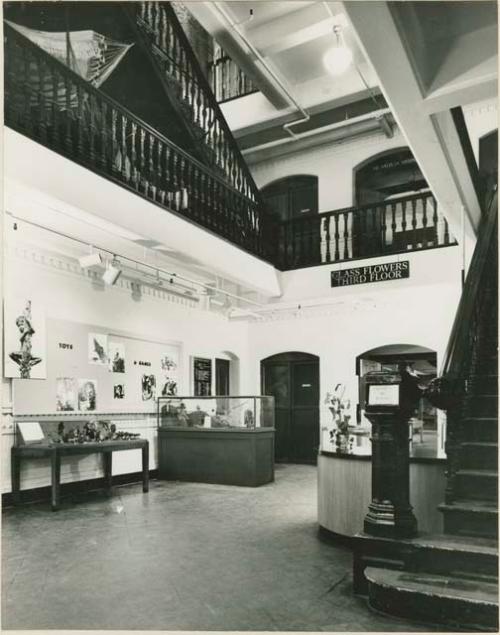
(337,60)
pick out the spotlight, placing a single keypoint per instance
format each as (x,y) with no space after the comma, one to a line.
(90,260)
(112,273)
(337,59)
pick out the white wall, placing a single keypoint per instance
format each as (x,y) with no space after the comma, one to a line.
(333,165)
(338,324)
(68,293)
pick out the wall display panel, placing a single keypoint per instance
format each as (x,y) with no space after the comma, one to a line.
(202,375)
(25,339)
(94,369)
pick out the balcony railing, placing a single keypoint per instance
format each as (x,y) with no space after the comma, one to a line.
(54,106)
(228,81)
(395,226)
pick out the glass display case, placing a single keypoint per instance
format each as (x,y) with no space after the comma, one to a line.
(248,412)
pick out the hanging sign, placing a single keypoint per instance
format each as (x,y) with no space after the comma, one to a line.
(371,273)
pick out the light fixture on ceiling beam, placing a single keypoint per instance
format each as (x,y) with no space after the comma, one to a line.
(338,59)
(90,260)
(112,272)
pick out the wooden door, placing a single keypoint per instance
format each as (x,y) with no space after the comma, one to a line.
(293,380)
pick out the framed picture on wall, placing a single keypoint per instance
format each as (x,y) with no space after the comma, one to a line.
(98,348)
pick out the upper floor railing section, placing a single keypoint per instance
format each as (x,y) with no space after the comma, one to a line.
(394,226)
(54,106)
(51,104)
(227,79)
(185,76)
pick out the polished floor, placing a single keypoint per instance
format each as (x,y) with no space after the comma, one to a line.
(186,556)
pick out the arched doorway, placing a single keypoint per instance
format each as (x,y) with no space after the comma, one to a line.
(425,435)
(389,174)
(293,379)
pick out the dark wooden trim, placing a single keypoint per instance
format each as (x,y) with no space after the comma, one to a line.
(368,457)
(463,134)
(335,539)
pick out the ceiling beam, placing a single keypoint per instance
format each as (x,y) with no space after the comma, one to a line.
(433,139)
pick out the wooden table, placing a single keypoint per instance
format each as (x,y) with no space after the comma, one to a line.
(58,450)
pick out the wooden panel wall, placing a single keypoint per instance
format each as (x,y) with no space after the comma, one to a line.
(344,493)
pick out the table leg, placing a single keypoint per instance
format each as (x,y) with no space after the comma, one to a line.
(108,463)
(15,475)
(56,476)
(145,468)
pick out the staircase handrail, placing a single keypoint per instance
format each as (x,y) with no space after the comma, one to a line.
(457,349)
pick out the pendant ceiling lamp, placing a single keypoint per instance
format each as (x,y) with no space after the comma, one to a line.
(338,59)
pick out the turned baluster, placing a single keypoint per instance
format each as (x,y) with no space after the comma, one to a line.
(123,147)
(414,223)
(337,236)
(114,152)
(142,159)
(446,232)
(152,178)
(159,171)
(134,172)
(393,223)
(346,216)
(403,219)
(104,137)
(80,120)
(383,212)
(93,116)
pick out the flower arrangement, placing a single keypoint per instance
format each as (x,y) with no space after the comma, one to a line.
(340,407)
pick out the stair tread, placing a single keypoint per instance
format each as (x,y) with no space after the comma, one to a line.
(448,542)
(481,444)
(471,505)
(477,472)
(442,586)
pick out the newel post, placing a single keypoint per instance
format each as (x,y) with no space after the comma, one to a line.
(391,400)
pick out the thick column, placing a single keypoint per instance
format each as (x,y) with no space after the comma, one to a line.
(390,513)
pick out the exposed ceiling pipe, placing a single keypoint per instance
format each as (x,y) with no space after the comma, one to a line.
(317,131)
(236,27)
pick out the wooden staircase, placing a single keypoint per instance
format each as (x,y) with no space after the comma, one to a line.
(452,579)
(161,35)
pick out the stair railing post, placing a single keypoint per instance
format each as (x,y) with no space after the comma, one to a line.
(391,400)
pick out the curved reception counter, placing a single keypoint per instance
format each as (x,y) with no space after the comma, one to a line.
(344,492)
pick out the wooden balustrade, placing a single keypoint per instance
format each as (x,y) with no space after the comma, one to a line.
(51,104)
(395,226)
(227,80)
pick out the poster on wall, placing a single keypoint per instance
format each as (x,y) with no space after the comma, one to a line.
(202,369)
(98,348)
(87,394)
(116,354)
(66,394)
(25,343)
(170,366)
(119,391)
(148,386)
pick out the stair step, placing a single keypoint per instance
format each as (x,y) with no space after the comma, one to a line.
(482,404)
(480,428)
(470,518)
(488,384)
(479,454)
(477,484)
(433,598)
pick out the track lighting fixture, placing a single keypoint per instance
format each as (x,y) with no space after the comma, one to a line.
(90,260)
(112,272)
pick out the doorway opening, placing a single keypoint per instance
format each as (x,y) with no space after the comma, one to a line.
(425,432)
(293,379)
